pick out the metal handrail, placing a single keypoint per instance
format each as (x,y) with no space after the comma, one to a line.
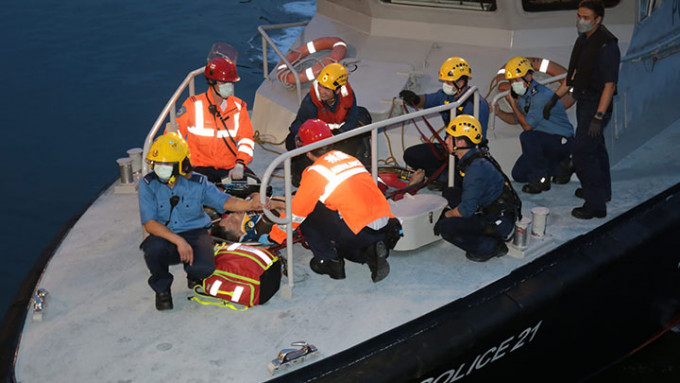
(267,40)
(373,128)
(169,109)
(492,115)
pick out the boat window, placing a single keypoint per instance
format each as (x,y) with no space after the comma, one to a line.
(475,5)
(558,5)
(646,7)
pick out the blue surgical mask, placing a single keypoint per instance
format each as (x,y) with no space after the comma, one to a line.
(582,26)
(226,90)
(518,87)
(448,89)
(163,171)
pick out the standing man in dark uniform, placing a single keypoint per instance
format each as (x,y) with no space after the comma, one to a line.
(481,212)
(593,73)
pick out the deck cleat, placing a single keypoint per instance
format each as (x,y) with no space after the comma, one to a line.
(290,356)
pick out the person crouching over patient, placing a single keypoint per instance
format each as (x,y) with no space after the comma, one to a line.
(481,213)
(171,200)
(339,210)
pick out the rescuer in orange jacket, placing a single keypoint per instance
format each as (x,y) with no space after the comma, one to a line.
(339,210)
(217,126)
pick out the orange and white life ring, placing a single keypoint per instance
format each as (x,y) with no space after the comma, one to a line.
(550,68)
(338,50)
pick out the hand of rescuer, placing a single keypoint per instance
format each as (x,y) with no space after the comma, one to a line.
(409,97)
(237,172)
(186,253)
(595,128)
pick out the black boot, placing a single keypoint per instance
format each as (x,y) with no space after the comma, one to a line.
(376,259)
(164,301)
(499,251)
(567,171)
(191,283)
(335,268)
(535,187)
(586,213)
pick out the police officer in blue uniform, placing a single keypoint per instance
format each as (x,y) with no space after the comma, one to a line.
(593,73)
(171,201)
(546,143)
(455,74)
(481,213)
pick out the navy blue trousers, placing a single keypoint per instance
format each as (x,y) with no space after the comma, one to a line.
(477,234)
(160,253)
(329,236)
(541,156)
(421,157)
(591,160)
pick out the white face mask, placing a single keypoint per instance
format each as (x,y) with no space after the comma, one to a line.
(582,26)
(226,90)
(163,171)
(518,87)
(449,89)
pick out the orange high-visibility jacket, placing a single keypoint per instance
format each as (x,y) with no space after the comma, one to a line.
(343,184)
(206,135)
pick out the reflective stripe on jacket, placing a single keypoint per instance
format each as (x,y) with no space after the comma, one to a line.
(208,137)
(324,113)
(343,184)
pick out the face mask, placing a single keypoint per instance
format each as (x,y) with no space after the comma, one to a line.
(163,171)
(448,89)
(518,87)
(582,26)
(225,90)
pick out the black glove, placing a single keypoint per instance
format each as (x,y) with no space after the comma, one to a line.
(410,97)
(595,128)
(549,105)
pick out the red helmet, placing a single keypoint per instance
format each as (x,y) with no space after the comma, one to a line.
(312,131)
(221,69)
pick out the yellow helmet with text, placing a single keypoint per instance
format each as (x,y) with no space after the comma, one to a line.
(466,125)
(333,76)
(517,67)
(170,148)
(454,68)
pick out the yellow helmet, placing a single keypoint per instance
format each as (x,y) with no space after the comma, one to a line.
(517,67)
(466,125)
(170,148)
(453,68)
(333,76)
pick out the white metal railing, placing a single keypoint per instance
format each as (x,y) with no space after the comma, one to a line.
(492,115)
(285,158)
(170,108)
(267,40)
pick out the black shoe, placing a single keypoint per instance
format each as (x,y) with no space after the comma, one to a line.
(191,283)
(164,301)
(376,258)
(585,213)
(499,251)
(567,170)
(535,187)
(335,268)
(579,194)
(437,185)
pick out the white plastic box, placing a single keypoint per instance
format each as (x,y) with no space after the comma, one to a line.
(418,215)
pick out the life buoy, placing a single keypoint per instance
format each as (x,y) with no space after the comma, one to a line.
(550,68)
(338,50)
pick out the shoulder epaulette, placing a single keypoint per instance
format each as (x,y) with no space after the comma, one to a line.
(150,177)
(198,177)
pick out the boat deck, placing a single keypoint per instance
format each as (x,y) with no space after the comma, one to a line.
(101,312)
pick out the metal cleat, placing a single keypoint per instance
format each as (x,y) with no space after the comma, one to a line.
(289,356)
(39,304)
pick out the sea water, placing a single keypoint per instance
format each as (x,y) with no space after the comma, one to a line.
(83,81)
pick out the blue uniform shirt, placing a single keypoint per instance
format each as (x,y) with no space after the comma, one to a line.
(532,103)
(188,214)
(482,185)
(440,98)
